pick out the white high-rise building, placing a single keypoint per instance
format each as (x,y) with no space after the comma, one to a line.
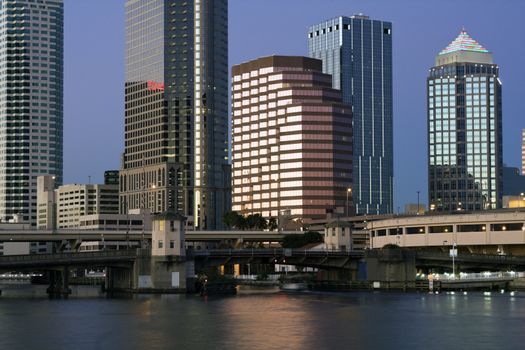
(31,102)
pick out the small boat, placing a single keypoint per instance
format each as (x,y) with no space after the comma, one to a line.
(293,286)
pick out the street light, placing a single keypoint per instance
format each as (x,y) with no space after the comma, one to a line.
(453,254)
(417,213)
(348,191)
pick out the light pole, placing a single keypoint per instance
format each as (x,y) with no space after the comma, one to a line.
(348,191)
(417,203)
(453,253)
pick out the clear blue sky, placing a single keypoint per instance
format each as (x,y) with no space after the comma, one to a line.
(94,69)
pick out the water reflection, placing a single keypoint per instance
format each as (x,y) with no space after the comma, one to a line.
(262,320)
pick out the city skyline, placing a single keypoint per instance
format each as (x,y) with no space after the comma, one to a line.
(414,47)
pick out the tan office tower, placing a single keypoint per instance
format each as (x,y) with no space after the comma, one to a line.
(292,140)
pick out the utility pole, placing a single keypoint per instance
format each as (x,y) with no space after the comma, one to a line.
(348,191)
(417,203)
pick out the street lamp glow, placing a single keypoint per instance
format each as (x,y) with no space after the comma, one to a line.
(348,191)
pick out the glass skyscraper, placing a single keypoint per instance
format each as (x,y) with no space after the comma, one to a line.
(357,52)
(176,122)
(464,128)
(31,102)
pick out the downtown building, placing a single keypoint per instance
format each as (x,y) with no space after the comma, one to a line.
(292,140)
(31,102)
(176,110)
(64,206)
(357,52)
(464,128)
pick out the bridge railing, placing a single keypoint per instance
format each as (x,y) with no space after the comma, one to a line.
(68,256)
(275,252)
(480,276)
(473,257)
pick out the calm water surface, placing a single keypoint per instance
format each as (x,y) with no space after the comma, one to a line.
(263,320)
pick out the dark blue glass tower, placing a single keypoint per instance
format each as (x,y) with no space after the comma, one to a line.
(357,52)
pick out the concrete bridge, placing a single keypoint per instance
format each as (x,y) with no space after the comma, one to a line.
(34,235)
(130,270)
(137,270)
(109,258)
(305,258)
(126,258)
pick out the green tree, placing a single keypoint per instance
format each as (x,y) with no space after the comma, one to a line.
(298,241)
(234,220)
(256,222)
(313,237)
(272,224)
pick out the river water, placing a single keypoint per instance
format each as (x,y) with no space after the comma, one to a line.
(262,319)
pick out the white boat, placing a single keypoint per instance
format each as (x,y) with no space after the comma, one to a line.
(293,286)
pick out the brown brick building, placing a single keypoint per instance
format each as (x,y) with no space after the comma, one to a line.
(292,139)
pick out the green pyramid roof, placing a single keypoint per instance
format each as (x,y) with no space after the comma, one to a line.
(464,42)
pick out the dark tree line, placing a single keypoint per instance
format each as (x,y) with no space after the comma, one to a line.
(237,221)
(298,241)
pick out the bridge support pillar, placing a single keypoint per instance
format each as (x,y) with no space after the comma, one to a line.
(59,283)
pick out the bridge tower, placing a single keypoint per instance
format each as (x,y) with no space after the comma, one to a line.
(167,236)
(167,270)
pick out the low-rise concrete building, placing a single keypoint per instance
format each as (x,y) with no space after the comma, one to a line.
(62,207)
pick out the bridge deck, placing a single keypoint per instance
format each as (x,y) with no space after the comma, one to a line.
(29,235)
(99,258)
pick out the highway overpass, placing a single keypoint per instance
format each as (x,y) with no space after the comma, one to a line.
(34,235)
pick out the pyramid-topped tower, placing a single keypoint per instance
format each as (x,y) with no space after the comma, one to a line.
(464,49)
(465,142)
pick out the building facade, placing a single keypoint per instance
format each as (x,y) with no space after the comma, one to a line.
(64,206)
(489,232)
(464,128)
(513,182)
(31,102)
(176,111)
(292,139)
(357,52)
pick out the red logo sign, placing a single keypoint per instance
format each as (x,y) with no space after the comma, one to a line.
(155,86)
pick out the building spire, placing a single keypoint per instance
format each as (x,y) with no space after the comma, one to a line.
(464,42)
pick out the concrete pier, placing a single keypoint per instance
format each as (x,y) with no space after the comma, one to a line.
(159,269)
(59,283)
